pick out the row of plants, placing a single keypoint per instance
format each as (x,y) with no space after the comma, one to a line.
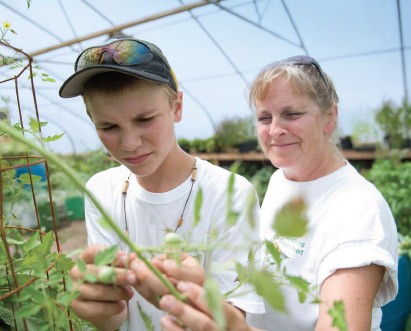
(232,135)
(391,129)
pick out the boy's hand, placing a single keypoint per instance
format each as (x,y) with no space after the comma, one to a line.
(103,302)
(152,289)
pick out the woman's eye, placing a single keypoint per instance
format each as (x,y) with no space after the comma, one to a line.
(264,119)
(293,115)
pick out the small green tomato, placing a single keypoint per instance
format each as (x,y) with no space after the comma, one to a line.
(172,238)
(106,275)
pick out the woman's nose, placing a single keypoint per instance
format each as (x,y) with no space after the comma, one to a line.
(276,128)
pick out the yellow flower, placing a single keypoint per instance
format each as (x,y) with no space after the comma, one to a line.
(6,25)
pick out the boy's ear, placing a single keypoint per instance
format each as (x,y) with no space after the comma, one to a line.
(178,107)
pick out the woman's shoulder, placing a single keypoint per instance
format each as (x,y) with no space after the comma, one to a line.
(358,185)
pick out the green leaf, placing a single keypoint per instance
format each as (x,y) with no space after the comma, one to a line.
(28,309)
(65,298)
(46,242)
(267,288)
(197,206)
(33,293)
(291,220)
(81,265)
(146,318)
(106,256)
(251,257)
(274,252)
(231,215)
(6,314)
(38,264)
(337,315)
(53,138)
(250,211)
(215,303)
(33,241)
(12,241)
(49,79)
(301,285)
(64,263)
(36,125)
(25,178)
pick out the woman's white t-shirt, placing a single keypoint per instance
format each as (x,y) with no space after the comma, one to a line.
(350,225)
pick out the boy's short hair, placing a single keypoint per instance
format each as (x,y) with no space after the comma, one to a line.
(113,84)
(133,57)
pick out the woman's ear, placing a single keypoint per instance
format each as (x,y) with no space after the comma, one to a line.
(331,120)
(177,106)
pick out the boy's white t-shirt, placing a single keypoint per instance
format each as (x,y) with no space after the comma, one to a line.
(150,214)
(350,225)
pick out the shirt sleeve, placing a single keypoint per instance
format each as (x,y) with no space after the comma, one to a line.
(363,233)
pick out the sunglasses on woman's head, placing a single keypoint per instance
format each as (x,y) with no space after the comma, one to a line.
(307,61)
(122,52)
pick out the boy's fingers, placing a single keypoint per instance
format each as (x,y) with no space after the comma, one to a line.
(147,283)
(102,308)
(101,292)
(90,252)
(104,274)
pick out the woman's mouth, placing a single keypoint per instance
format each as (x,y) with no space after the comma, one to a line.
(282,145)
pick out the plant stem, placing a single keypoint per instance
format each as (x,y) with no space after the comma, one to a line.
(16,134)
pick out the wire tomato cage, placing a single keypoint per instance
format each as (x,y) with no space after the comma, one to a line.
(30,251)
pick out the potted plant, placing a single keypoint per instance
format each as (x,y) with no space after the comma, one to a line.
(237,134)
(184,144)
(395,122)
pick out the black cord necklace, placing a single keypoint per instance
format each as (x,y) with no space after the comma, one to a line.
(180,220)
(193,179)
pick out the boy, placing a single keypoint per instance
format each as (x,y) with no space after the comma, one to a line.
(132,97)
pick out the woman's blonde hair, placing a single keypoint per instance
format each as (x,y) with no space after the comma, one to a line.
(304,79)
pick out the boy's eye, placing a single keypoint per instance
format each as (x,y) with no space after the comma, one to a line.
(145,120)
(107,128)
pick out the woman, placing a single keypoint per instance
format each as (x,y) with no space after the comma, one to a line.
(350,250)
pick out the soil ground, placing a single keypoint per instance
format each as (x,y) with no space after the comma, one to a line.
(72,235)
